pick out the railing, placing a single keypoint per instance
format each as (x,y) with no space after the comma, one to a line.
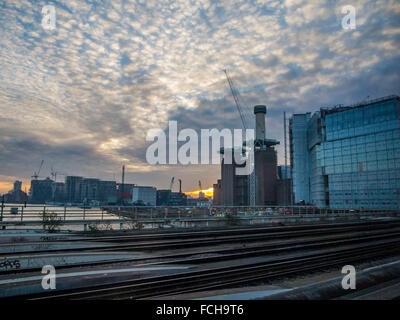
(39,215)
(27,212)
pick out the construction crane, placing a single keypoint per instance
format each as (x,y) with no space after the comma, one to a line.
(54,174)
(243,113)
(171,185)
(122,192)
(36,175)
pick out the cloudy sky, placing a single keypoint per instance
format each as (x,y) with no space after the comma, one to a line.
(82,97)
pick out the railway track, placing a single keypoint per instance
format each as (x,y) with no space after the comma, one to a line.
(240,252)
(226,276)
(278,262)
(204,238)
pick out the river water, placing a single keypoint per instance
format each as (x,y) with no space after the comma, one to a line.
(35,213)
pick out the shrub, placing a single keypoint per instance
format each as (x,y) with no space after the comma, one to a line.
(51,222)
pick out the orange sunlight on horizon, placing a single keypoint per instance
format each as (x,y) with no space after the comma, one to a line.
(5,187)
(207,192)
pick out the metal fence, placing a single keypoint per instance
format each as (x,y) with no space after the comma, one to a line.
(26,213)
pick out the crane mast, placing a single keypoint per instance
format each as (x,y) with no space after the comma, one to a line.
(170,190)
(252,179)
(36,175)
(172,183)
(235,97)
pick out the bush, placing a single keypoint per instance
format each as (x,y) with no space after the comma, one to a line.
(51,222)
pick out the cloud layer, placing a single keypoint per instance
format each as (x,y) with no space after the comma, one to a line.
(83,96)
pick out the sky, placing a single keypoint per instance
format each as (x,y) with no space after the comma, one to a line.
(83,96)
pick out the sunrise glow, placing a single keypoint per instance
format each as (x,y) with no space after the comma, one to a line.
(207,192)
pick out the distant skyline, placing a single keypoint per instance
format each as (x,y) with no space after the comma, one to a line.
(82,97)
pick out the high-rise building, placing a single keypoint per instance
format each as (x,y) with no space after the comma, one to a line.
(58,192)
(41,190)
(90,189)
(348,157)
(80,189)
(300,157)
(16,195)
(108,192)
(17,186)
(73,189)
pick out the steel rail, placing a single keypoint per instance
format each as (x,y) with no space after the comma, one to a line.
(237,230)
(169,283)
(210,240)
(220,231)
(228,254)
(240,275)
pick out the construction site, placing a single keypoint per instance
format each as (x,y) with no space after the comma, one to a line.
(267,184)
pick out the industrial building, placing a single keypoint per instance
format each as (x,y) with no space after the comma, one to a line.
(166,197)
(124,193)
(265,161)
(284,186)
(108,192)
(232,189)
(144,195)
(163,197)
(348,157)
(217,193)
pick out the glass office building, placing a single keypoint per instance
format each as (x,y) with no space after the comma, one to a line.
(300,157)
(353,156)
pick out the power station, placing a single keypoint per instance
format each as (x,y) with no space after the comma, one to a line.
(233,189)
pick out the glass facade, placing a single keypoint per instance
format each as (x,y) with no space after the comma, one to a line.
(355,156)
(300,157)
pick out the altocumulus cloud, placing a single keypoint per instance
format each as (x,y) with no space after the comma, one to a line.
(82,96)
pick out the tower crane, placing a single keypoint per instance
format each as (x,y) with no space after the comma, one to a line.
(54,174)
(171,185)
(36,175)
(243,113)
